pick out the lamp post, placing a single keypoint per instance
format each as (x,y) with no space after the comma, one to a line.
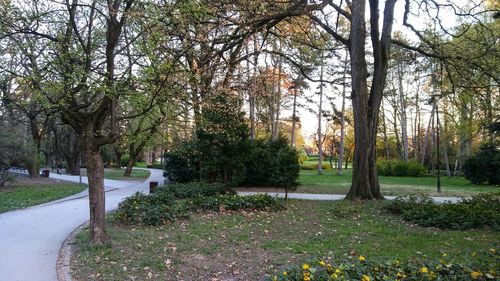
(436,95)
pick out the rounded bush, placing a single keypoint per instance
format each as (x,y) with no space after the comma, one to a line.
(398,168)
(484,167)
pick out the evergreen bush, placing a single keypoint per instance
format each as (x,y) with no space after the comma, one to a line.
(399,168)
(484,167)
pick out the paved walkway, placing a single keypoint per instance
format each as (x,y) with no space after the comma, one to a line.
(330,197)
(30,238)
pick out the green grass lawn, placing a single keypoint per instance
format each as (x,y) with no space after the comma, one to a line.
(117,174)
(332,183)
(247,246)
(22,196)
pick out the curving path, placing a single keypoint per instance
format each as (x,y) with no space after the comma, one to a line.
(330,197)
(30,238)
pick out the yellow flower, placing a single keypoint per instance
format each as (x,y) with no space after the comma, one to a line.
(307,276)
(474,254)
(361,258)
(338,271)
(424,270)
(493,251)
(285,273)
(400,275)
(445,254)
(396,263)
(335,276)
(322,263)
(365,278)
(305,266)
(475,274)
(275,278)
(432,275)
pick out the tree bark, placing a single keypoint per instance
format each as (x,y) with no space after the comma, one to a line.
(366,104)
(342,118)
(384,135)
(396,132)
(294,117)
(320,109)
(34,164)
(73,165)
(95,173)
(402,102)
(253,91)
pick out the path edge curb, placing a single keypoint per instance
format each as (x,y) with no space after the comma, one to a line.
(64,258)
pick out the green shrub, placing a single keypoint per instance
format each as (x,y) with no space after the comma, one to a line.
(477,212)
(272,163)
(398,168)
(182,164)
(482,265)
(155,209)
(311,167)
(484,166)
(124,160)
(194,189)
(235,202)
(302,156)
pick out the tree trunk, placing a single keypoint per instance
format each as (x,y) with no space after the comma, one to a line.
(384,135)
(130,166)
(278,102)
(402,102)
(427,136)
(95,173)
(320,142)
(342,118)
(34,164)
(133,156)
(253,90)
(272,101)
(366,104)
(396,133)
(33,169)
(294,117)
(73,165)
(417,135)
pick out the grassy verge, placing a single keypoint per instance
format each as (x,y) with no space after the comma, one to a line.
(332,183)
(117,174)
(247,246)
(23,196)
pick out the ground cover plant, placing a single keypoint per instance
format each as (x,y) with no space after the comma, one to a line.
(482,265)
(173,202)
(246,245)
(24,192)
(476,212)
